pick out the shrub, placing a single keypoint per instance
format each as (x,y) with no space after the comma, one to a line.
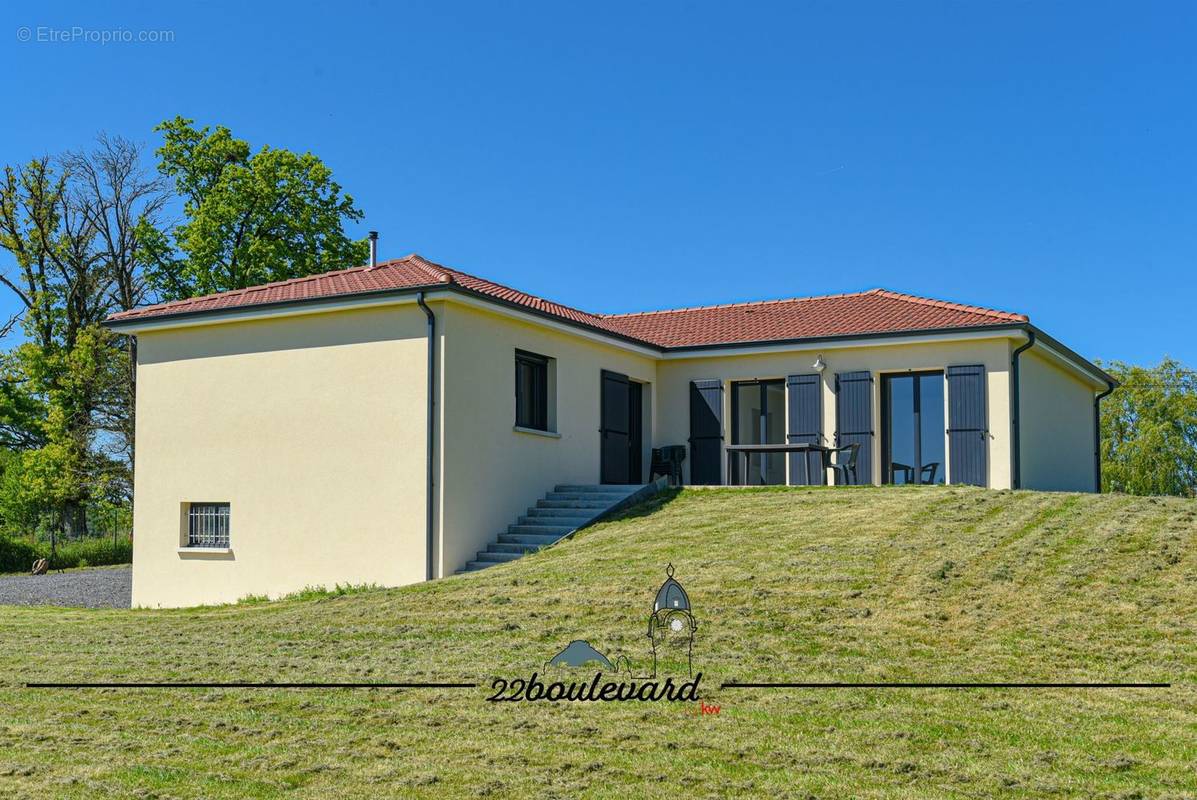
(18,556)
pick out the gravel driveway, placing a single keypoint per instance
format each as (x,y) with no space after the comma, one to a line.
(91,588)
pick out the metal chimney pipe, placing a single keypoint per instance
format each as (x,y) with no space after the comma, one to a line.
(373,237)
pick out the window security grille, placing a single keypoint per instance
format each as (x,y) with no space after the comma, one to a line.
(208,525)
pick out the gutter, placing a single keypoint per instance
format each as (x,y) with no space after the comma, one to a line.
(1097,436)
(337,302)
(237,313)
(1015,414)
(696,350)
(429,532)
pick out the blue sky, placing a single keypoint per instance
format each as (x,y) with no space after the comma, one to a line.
(1032,157)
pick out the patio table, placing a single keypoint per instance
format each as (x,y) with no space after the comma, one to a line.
(736,450)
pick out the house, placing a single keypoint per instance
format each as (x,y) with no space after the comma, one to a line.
(384,424)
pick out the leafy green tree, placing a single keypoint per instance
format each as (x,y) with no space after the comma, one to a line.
(21,410)
(65,403)
(21,510)
(251,218)
(86,237)
(1149,430)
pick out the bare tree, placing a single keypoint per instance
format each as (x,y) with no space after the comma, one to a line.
(123,203)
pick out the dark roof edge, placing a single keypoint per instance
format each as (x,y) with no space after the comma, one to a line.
(1055,344)
(314,302)
(556,318)
(317,302)
(846,337)
(215,314)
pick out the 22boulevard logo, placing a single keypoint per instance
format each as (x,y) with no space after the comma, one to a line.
(671,628)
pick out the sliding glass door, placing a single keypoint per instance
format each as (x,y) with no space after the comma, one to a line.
(759,417)
(912,428)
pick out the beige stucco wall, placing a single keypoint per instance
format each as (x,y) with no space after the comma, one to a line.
(1056,418)
(674,376)
(311,427)
(490,472)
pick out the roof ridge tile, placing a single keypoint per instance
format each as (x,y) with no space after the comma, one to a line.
(930,301)
(453,271)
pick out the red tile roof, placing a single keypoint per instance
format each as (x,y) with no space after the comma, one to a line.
(875,311)
(403,273)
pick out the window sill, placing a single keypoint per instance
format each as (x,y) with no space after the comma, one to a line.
(204,551)
(536,432)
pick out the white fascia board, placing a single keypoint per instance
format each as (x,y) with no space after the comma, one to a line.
(564,327)
(252,314)
(374,301)
(1063,359)
(502,309)
(842,344)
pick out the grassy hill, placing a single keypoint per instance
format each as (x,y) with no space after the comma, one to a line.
(787,585)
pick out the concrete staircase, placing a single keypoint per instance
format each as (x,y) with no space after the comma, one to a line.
(559,513)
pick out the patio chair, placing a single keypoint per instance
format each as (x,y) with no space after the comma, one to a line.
(843,465)
(926,473)
(667,461)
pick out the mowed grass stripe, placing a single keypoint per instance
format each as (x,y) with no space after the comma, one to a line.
(801,584)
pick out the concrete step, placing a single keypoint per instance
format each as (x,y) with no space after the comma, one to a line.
(527,538)
(558,530)
(609,498)
(571,522)
(558,513)
(512,547)
(573,511)
(487,555)
(595,504)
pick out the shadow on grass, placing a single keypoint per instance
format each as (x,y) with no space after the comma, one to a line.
(647,508)
(662,498)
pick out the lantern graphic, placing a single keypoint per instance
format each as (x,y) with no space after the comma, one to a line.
(671,626)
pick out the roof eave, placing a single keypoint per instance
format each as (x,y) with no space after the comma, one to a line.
(220,314)
(1084,364)
(555,318)
(134,325)
(313,305)
(846,337)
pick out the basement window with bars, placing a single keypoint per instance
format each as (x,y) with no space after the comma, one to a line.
(208,525)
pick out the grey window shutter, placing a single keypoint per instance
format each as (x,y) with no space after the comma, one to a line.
(854,419)
(968,427)
(804,401)
(706,432)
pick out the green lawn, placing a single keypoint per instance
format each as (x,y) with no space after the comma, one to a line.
(787,585)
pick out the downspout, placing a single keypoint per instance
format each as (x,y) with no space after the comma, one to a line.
(429,532)
(1097,437)
(1015,414)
